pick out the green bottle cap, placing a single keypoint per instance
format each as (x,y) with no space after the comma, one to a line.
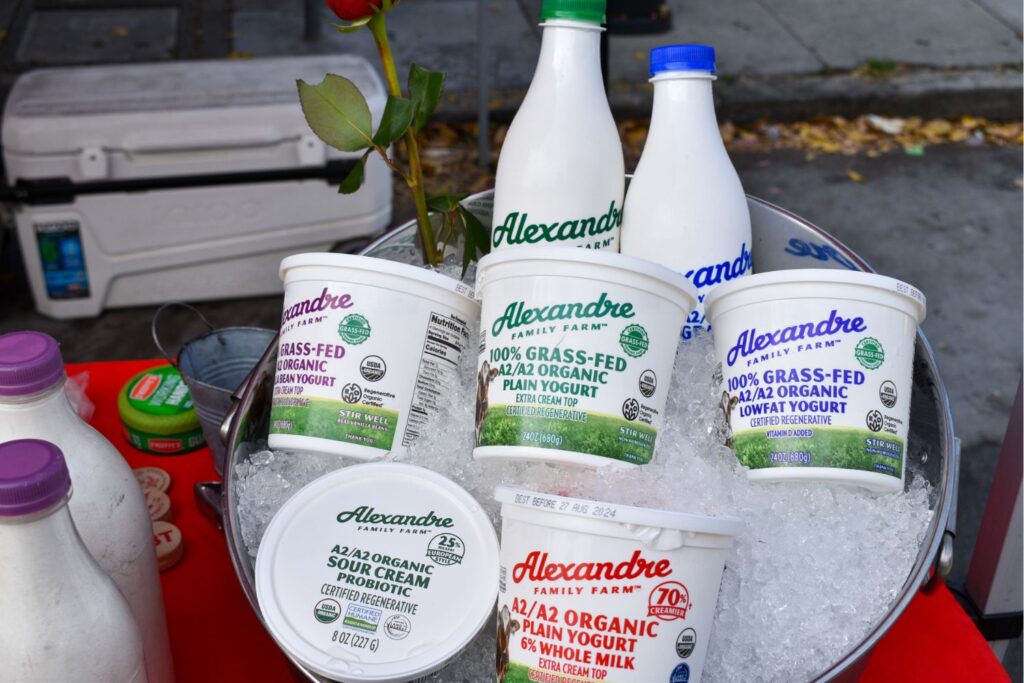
(157,413)
(592,11)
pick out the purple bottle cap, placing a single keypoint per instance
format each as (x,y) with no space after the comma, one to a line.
(29,363)
(33,477)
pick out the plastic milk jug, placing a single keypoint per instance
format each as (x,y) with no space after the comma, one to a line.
(63,618)
(108,507)
(685,208)
(560,175)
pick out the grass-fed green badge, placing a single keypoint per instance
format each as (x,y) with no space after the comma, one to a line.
(355,329)
(378,572)
(869,353)
(573,344)
(817,372)
(634,340)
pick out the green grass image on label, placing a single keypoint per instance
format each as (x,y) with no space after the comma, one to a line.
(337,420)
(596,434)
(520,673)
(847,448)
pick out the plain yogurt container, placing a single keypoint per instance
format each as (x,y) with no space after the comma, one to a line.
(594,591)
(368,349)
(576,354)
(377,573)
(817,372)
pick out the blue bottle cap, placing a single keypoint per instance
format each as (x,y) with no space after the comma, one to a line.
(682,58)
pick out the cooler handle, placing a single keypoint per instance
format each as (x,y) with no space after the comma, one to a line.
(156,318)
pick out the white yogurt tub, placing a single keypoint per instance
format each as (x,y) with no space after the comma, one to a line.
(600,592)
(576,354)
(368,349)
(377,573)
(817,372)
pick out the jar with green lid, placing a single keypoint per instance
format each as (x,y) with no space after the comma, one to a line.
(157,413)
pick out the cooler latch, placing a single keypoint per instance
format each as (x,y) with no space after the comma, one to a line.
(93,163)
(312,151)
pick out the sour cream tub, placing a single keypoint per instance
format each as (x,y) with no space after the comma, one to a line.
(368,349)
(817,374)
(600,592)
(377,573)
(576,354)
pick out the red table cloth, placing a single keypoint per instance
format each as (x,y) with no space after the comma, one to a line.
(215,636)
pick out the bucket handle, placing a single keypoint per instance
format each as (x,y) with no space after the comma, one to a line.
(942,564)
(156,317)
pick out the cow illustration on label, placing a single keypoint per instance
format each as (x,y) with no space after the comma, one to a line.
(507,627)
(727,404)
(483,385)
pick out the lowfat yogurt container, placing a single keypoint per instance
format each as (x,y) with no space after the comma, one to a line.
(377,573)
(817,371)
(368,349)
(593,591)
(576,354)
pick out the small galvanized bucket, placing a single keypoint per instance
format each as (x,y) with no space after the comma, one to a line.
(213,365)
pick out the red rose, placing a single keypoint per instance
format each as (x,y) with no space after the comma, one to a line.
(353,10)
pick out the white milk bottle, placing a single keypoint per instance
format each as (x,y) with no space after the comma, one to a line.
(685,208)
(108,507)
(63,618)
(560,175)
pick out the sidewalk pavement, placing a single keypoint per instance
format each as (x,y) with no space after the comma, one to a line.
(777,58)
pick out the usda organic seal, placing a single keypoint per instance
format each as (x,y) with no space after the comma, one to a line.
(377,573)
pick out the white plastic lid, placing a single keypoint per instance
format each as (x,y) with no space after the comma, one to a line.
(612,512)
(372,264)
(377,573)
(610,259)
(913,301)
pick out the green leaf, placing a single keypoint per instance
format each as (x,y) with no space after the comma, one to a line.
(394,121)
(337,112)
(354,180)
(481,235)
(425,90)
(354,26)
(475,237)
(444,203)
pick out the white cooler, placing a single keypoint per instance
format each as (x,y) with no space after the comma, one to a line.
(178,181)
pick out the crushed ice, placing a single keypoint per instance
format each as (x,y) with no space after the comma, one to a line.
(813,571)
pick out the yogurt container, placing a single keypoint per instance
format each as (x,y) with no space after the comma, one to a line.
(576,354)
(593,591)
(377,573)
(368,349)
(817,372)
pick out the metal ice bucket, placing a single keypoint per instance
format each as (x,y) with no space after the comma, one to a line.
(781,241)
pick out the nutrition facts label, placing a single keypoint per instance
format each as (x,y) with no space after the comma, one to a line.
(439,365)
